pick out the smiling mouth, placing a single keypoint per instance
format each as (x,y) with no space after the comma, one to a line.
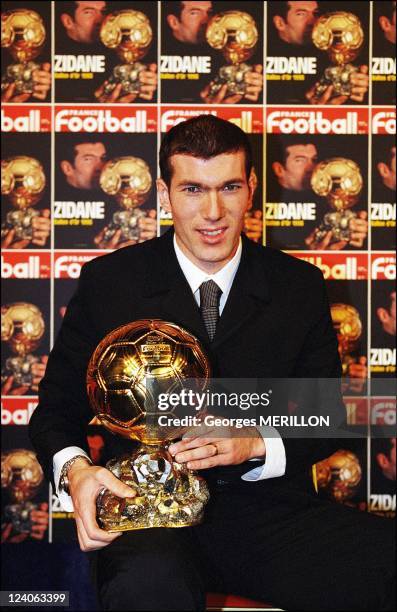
(212,232)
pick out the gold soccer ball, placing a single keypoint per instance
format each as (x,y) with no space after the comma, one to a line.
(343,475)
(234,33)
(128,32)
(340,34)
(22,326)
(128,179)
(348,326)
(23,33)
(338,180)
(22,180)
(132,366)
(22,474)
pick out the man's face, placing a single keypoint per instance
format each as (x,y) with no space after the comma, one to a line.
(297,170)
(387,463)
(297,27)
(388,171)
(88,163)
(389,27)
(208,200)
(387,317)
(191,25)
(88,18)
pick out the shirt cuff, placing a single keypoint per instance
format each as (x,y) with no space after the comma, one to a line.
(58,461)
(275,459)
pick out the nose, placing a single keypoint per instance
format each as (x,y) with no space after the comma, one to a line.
(212,209)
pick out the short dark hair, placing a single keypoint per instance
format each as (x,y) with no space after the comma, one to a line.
(204,136)
(279,9)
(382,445)
(69,152)
(68,8)
(172,8)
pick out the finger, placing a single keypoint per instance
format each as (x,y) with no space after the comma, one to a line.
(46,66)
(8,239)
(364,69)
(112,244)
(338,100)
(204,464)
(152,67)
(233,99)
(87,516)
(147,77)
(21,98)
(115,93)
(152,213)
(219,97)
(258,68)
(39,95)
(6,532)
(205,92)
(209,450)
(91,543)
(338,246)
(8,93)
(128,98)
(362,214)
(115,486)
(19,390)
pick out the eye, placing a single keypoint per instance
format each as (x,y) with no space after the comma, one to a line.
(232,187)
(192,189)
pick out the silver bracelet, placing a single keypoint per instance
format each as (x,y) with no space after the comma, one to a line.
(63,479)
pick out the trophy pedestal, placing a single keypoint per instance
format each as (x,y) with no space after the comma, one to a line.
(234,77)
(338,223)
(127,221)
(339,78)
(128,76)
(21,222)
(21,75)
(167,493)
(19,516)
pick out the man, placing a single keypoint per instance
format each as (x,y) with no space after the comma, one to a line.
(82,165)
(293,172)
(82,21)
(187,22)
(258,520)
(387,171)
(387,316)
(294,22)
(386,457)
(387,22)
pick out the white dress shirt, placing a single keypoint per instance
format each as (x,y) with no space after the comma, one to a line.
(275,462)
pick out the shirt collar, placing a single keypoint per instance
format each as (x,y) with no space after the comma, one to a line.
(195,276)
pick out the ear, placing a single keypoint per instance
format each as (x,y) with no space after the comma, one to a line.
(382,460)
(67,21)
(66,167)
(164,195)
(173,22)
(383,170)
(278,169)
(383,315)
(384,23)
(252,185)
(279,23)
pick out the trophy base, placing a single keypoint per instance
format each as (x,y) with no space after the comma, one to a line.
(339,78)
(167,493)
(21,222)
(127,221)
(338,223)
(234,76)
(21,75)
(19,516)
(128,76)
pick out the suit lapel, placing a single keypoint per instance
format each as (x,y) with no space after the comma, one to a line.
(249,293)
(165,279)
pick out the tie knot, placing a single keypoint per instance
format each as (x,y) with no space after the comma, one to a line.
(209,294)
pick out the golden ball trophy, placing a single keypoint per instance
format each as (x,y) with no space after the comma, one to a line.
(129,181)
(340,475)
(348,326)
(23,34)
(127,373)
(22,476)
(339,181)
(128,32)
(235,34)
(22,327)
(22,183)
(341,35)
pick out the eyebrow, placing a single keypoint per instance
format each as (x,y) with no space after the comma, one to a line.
(235,181)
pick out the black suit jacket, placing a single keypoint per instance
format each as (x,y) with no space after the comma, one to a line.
(276,323)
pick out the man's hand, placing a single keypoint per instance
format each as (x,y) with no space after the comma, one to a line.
(253,225)
(254,85)
(359,81)
(41,84)
(358,234)
(148,85)
(148,230)
(38,371)
(218,446)
(357,373)
(41,226)
(85,483)
(39,520)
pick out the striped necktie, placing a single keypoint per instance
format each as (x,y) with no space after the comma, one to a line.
(210,295)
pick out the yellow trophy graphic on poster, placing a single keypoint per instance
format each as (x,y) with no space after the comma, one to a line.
(22,328)
(340,475)
(22,476)
(235,34)
(128,32)
(23,34)
(341,35)
(348,327)
(129,372)
(22,183)
(340,182)
(129,181)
